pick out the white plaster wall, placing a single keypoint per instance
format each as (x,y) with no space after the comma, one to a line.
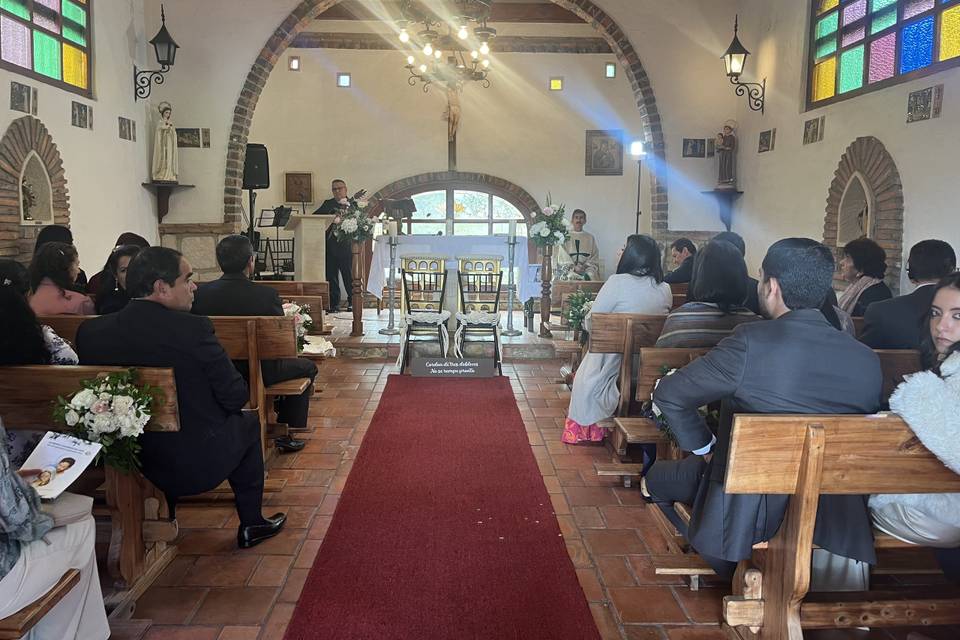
(679,43)
(786,189)
(103,172)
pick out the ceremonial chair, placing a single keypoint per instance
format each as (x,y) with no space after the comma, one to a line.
(281,258)
(423,294)
(262,255)
(479,280)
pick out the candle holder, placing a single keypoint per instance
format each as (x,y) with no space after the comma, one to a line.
(511,288)
(390,329)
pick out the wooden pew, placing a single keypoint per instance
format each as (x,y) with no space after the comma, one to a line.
(679,290)
(806,456)
(858,323)
(141,529)
(563,288)
(19,624)
(303,292)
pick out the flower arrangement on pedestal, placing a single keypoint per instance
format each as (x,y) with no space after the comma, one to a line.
(112,410)
(302,321)
(353,224)
(550,227)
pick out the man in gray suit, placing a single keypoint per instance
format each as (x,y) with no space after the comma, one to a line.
(796,362)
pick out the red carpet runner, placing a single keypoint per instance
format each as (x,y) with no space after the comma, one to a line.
(444,529)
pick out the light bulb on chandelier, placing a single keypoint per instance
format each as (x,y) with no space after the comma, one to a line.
(423,68)
(484,48)
(485,63)
(462,33)
(410,60)
(428,49)
(404,36)
(438,54)
(474,54)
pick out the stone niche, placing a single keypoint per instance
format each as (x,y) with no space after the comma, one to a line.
(33,187)
(198,244)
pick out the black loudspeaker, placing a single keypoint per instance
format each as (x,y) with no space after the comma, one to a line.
(256,168)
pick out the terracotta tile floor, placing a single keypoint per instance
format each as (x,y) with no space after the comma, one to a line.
(214,591)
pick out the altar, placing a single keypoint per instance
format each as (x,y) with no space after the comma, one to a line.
(452,247)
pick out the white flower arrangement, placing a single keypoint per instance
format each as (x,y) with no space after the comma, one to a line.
(302,321)
(113,411)
(550,227)
(353,224)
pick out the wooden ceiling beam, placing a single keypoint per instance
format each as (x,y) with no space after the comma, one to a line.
(529,12)
(503,44)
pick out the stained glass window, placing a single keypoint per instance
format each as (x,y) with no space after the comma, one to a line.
(48,40)
(471,213)
(859,45)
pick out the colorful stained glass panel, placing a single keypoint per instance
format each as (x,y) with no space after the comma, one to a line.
(950,33)
(916,7)
(917,45)
(854,11)
(14,42)
(45,13)
(877,5)
(826,46)
(826,5)
(76,13)
(883,20)
(851,69)
(74,34)
(16,7)
(74,66)
(883,52)
(46,55)
(825,79)
(828,25)
(854,34)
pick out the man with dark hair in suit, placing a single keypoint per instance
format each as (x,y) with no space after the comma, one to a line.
(752,302)
(217,440)
(682,251)
(234,294)
(898,323)
(796,362)
(339,258)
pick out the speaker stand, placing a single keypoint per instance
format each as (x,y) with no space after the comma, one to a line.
(250,231)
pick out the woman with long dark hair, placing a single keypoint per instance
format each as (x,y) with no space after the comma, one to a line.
(60,233)
(637,287)
(929,402)
(715,300)
(863,265)
(97,284)
(53,274)
(112,295)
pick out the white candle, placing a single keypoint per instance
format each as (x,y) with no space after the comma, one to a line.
(392,228)
(513,229)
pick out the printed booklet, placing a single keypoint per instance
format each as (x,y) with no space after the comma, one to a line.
(59,459)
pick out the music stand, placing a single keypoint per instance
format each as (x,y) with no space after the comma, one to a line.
(399,209)
(277,218)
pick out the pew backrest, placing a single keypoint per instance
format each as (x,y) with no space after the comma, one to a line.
(894,365)
(620,332)
(65,326)
(27,394)
(679,291)
(859,454)
(560,287)
(289,288)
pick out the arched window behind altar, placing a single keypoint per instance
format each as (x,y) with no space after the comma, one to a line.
(463,213)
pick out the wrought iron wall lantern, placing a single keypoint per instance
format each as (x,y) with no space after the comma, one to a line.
(735,60)
(166,51)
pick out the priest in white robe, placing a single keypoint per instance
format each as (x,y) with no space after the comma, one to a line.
(578,258)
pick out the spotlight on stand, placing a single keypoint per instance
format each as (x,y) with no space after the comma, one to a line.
(638,151)
(166,52)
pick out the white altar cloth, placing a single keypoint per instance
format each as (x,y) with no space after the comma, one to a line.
(451,247)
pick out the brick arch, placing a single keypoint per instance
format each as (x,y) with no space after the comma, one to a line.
(867,159)
(23,136)
(307,10)
(406,187)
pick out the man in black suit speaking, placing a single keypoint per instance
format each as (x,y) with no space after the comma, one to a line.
(898,323)
(795,362)
(339,254)
(217,440)
(234,294)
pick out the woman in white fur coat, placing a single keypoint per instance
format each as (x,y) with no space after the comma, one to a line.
(929,402)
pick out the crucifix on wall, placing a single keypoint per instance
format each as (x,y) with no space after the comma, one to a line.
(452,116)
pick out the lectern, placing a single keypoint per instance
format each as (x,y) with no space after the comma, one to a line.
(310,252)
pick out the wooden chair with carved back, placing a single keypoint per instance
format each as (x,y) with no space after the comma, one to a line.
(141,531)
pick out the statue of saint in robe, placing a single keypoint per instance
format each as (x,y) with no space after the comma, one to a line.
(165,162)
(727,153)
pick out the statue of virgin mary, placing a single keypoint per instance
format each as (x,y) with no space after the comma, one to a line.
(165,163)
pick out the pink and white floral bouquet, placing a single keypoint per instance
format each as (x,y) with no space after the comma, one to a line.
(550,227)
(111,410)
(354,224)
(302,321)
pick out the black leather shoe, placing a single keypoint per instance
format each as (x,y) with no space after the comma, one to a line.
(255,534)
(290,445)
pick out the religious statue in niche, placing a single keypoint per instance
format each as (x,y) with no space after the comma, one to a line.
(28,197)
(165,161)
(452,113)
(726,143)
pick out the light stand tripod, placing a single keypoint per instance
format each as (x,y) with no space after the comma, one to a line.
(511,287)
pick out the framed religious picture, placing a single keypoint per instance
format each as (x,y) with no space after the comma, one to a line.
(604,153)
(768,140)
(21,97)
(813,130)
(188,138)
(297,187)
(695,147)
